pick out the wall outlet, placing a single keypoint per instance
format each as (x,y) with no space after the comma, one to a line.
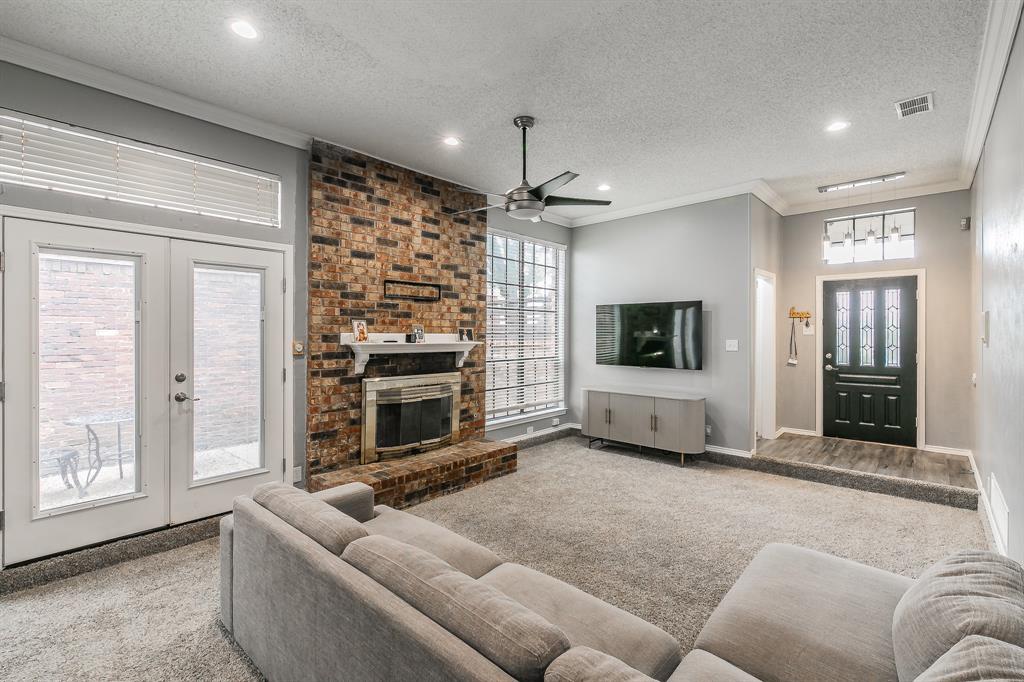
(556,421)
(296,474)
(529,429)
(707,429)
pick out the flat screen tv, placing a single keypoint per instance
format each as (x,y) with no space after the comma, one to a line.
(651,334)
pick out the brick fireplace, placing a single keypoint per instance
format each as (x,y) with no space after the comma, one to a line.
(371,221)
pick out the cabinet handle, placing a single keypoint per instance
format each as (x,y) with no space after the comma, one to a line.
(654,423)
(609,415)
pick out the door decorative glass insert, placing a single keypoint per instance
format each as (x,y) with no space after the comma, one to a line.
(227,341)
(892,327)
(842,327)
(88,378)
(867,328)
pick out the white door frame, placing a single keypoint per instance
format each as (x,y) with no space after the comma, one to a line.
(922,336)
(765,413)
(287,448)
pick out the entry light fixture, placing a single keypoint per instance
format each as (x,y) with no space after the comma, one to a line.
(894,233)
(826,244)
(871,237)
(603,187)
(851,184)
(243,28)
(452,141)
(836,126)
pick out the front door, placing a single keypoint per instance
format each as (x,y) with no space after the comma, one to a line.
(109,340)
(869,342)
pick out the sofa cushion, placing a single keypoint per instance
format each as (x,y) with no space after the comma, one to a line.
(583,664)
(588,621)
(315,518)
(796,614)
(517,640)
(472,559)
(700,666)
(977,658)
(972,592)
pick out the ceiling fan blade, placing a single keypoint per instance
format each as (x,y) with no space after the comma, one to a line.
(572,201)
(474,210)
(546,188)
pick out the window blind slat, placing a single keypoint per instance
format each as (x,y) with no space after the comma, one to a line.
(53,156)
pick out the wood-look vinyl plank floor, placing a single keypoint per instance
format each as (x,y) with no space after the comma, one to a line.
(872,458)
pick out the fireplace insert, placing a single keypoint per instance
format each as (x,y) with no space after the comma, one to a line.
(409,414)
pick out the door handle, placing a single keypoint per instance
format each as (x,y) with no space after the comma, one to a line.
(829,368)
(181,397)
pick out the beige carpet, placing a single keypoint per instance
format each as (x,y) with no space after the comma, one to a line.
(658,540)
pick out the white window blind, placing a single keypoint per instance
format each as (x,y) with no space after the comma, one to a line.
(525,326)
(54,156)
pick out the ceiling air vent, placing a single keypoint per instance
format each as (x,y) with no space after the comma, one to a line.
(914,105)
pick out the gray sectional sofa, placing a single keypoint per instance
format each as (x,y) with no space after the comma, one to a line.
(331,587)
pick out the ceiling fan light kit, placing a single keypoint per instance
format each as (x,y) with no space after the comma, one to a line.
(526,202)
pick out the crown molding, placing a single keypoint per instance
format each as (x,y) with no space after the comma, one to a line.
(85,74)
(1000,29)
(759,188)
(876,197)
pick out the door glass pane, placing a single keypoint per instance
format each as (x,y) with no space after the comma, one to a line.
(892,327)
(87,378)
(228,371)
(842,327)
(867,328)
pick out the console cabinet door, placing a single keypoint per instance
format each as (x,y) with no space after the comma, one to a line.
(632,419)
(597,415)
(668,434)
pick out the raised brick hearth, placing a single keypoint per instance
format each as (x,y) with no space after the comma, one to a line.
(406,481)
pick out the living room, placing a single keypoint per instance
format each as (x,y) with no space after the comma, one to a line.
(722,388)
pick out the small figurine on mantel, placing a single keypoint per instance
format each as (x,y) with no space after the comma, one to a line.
(359,332)
(417,335)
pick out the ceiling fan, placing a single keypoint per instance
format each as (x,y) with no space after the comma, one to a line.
(528,203)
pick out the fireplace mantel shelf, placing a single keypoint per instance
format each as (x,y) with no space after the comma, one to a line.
(394,344)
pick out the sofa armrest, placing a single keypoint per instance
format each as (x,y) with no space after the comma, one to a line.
(354,499)
(227,533)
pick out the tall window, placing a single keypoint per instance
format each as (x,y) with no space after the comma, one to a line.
(525,327)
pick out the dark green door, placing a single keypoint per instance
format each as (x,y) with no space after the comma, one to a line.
(870,360)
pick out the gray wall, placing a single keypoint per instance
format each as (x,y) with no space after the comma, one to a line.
(692,252)
(496,219)
(998,255)
(943,250)
(56,99)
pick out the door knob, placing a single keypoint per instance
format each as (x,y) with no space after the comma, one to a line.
(181,397)
(829,368)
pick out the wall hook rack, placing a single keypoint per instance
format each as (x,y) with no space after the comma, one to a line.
(795,314)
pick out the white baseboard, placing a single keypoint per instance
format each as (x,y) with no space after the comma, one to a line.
(943,450)
(795,432)
(542,432)
(728,451)
(1000,545)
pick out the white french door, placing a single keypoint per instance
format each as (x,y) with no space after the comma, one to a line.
(227,375)
(143,382)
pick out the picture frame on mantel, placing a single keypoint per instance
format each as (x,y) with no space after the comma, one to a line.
(360,332)
(465,333)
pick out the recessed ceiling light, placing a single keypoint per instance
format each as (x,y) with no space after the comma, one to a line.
(603,188)
(244,28)
(836,126)
(452,141)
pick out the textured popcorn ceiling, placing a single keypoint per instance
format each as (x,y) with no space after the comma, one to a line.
(658,99)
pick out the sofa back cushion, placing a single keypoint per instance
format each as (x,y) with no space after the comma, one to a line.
(977,658)
(583,664)
(315,518)
(514,638)
(972,592)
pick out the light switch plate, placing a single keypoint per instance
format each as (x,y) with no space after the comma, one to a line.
(296,474)
(809,330)
(732,345)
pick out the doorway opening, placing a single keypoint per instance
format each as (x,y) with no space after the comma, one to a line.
(764,355)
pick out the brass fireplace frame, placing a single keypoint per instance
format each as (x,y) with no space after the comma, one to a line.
(407,389)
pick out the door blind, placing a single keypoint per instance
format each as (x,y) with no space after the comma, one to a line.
(54,156)
(525,326)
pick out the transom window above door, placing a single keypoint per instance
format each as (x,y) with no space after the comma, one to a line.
(869,237)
